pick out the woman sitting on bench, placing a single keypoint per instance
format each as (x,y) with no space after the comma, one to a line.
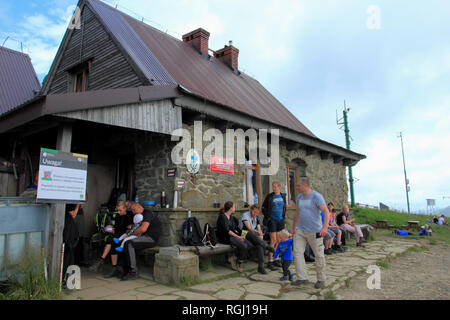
(228,232)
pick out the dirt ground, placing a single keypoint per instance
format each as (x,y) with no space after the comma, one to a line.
(421,275)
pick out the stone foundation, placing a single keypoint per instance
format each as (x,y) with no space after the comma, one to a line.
(171,267)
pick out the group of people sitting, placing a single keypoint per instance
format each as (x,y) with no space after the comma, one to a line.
(248,232)
(133,228)
(440,220)
(136,228)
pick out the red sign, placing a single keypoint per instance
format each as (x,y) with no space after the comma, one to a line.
(221,165)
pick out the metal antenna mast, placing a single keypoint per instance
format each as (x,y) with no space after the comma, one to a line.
(404,170)
(347,141)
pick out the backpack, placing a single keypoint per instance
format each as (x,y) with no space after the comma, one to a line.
(309,254)
(103,217)
(192,232)
(209,236)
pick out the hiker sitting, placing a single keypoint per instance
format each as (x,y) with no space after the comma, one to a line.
(349,225)
(228,232)
(137,222)
(442,222)
(120,222)
(426,231)
(249,222)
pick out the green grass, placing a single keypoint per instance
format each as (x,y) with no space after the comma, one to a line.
(383,264)
(397,219)
(330,296)
(27,282)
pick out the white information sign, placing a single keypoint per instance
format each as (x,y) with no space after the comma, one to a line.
(62,176)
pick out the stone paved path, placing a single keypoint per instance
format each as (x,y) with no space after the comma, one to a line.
(249,285)
(420,275)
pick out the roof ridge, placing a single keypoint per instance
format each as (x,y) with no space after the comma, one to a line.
(15,51)
(139,21)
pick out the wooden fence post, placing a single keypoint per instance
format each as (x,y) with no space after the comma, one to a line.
(57,210)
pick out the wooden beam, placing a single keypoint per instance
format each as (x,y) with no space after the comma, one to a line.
(57,210)
(348,162)
(337,159)
(324,155)
(309,151)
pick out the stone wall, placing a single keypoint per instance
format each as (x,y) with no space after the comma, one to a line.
(202,190)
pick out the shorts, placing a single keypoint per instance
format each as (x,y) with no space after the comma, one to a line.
(276,226)
(330,235)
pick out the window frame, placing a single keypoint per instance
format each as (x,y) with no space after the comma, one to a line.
(75,76)
(288,185)
(256,168)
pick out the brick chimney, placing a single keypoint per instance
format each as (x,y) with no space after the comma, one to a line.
(229,55)
(198,39)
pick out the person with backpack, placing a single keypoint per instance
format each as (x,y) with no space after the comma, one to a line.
(115,226)
(228,232)
(249,221)
(274,210)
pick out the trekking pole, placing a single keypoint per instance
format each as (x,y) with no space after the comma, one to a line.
(61,268)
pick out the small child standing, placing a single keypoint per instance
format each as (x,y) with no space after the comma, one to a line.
(137,221)
(285,250)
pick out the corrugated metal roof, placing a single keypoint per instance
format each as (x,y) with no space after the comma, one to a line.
(133,45)
(17,79)
(208,78)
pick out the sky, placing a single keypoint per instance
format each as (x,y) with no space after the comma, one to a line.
(389,61)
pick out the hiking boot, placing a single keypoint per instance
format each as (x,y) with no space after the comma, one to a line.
(129,276)
(328,251)
(299,282)
(319,284)
(114,273)
(97,265)
(359,244)
(339,249)
(262,270)
(236,266)
(272,266)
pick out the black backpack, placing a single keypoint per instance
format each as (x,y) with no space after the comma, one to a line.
(309,254)
(192,232)
(209,235)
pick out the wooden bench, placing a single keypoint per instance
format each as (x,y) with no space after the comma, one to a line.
(381,224)
(414,225)
(199,250)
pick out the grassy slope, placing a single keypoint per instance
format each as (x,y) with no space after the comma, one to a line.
(369,216)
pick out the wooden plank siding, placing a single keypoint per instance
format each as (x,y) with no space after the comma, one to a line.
(155,116)
(108,69)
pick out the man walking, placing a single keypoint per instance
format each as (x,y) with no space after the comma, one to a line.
(308,228)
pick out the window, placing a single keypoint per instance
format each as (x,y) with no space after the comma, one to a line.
(79,81)
(290,184)
(252,194)
(78,76)
(294,170)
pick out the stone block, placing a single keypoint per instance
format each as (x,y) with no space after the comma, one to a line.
(170,267)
